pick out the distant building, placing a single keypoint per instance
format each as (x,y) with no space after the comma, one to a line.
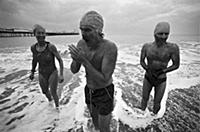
(6,29)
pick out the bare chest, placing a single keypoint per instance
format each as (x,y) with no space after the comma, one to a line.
(94,55)
(158,53)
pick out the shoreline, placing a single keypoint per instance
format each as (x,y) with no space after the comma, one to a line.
(182,113)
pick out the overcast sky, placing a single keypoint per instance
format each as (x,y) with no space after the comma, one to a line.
(120,16)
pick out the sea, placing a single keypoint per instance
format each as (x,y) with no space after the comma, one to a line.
(23,107)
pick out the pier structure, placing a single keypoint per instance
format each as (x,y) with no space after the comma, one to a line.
(16,32)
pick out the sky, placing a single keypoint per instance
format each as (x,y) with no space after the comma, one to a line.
(121,17)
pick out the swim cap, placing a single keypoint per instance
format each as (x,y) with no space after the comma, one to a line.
(162,27)
(93,19)
(37,27)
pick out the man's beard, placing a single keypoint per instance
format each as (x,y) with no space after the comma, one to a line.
(85,38)
(160,40)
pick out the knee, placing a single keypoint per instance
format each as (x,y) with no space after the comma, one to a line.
(145,98)
(157,104)
(157,101)
(54,92)
(45,90)
(53,89)
(104,123)
(156,108)
(104,128)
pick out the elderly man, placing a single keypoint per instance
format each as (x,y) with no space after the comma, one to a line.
(158,55)
(98,56)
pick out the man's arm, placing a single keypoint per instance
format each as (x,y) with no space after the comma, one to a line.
(108,65)
(143,56)
(175,59)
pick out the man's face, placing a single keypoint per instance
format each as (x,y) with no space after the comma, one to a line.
(40,35)
(88,33)
(161,37)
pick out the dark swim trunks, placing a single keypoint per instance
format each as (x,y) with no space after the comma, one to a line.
(102,99)
(155,81)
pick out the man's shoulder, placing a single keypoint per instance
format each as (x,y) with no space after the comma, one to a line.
(109,44)
(81,43)
(172,45)
(146,45)
(50,45)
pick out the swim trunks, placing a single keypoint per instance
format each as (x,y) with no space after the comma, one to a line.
(102,99)
(155,81)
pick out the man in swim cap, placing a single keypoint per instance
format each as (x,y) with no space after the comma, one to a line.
(158,55)
(98,56)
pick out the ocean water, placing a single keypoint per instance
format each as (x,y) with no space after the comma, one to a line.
(23,107)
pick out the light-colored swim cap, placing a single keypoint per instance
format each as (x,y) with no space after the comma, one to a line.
(37,27)
(93,19)
(162,27)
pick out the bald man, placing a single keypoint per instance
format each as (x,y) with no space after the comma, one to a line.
(98,56)
(158,54)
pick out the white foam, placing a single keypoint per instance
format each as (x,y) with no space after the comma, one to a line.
(39,115)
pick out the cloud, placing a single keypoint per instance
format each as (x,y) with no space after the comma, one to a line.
(121,16)
(8,7)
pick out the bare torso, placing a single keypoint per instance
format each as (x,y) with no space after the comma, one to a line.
(158,57)
(95,57)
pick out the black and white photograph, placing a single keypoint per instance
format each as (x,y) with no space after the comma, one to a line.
(99,66)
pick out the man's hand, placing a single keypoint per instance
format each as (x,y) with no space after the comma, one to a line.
(155,74)
(61,79)
(77,54)
(31,77)
(151,73)
(160,72)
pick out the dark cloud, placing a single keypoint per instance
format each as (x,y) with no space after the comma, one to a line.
(8,7)
(187,2)
(132,18)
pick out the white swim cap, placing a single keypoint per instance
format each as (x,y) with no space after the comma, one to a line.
(162,27)
(93,19)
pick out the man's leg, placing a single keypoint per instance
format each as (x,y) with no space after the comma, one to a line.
(159,92)
(147,87)
(94,114)
(104,122)
(53,83)
(45,87)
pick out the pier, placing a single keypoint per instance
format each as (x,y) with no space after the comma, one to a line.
(15,32)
